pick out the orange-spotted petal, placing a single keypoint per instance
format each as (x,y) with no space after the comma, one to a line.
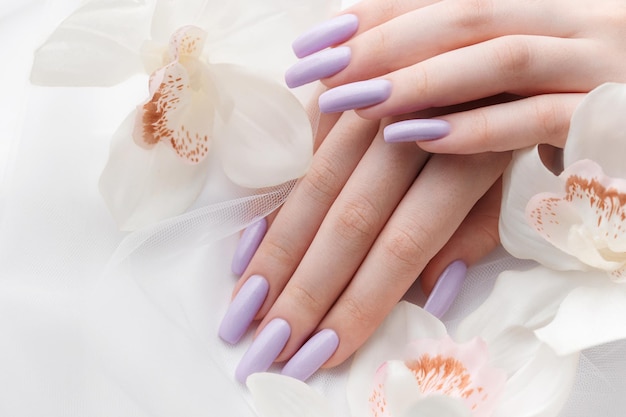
(588,220)
(438,367)
(180,110)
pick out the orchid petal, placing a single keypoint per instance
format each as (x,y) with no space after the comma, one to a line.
(540,387)
(395,389)
(519,300)
(266,137)
(98,45)
(438,406)
(143,186)
(281,396)
(525,177)
(259,34)
(597,130)
(406,322)
(588,317)
(585,219)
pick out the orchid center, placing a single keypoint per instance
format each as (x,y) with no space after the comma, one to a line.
(438,367)
(179,112)
(588,220)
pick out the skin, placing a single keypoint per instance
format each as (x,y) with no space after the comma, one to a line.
(371,217)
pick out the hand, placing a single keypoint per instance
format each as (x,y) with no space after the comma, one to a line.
(423,53)
(351,239)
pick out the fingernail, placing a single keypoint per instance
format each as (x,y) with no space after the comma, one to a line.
(317,66)
(446,289)
(328,33)
(355,96)
(248,244)
(243,308)
(312,355)
(264,349)
(416,130)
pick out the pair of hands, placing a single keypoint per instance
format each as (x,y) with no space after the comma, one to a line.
(370,217)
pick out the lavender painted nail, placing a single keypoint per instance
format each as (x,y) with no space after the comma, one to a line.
(317,66)
(243,308)
(248,244)
(264,350)
(447,288)
(355,96)
(312,355)
(329,33)
(416,130)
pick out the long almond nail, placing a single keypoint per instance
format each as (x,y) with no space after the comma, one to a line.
(312,355)
(243,309)
(446,289)
(328,33)
(416,130)
(317,66)
(248,244)
(264,349)
(356,95)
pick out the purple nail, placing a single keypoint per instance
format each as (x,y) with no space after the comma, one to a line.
(315,352)
(328,33)
(317,66)
(243,308)
(248,244)
(264,349)
(446,289)
(355,96)
(416,130)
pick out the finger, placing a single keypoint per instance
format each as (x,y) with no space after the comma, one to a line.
(408,38)
(501,127)
(418,229)
(519,64)
(475,238)
(344,238)
(294,228)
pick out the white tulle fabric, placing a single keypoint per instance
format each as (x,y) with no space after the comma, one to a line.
(94,322)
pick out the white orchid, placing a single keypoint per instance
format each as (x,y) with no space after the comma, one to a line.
(574,225)
(216,83)
(411,368)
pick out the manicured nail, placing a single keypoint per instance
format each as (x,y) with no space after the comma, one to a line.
(317,66)
(355,96)
(243,308)
(264,349)
(248,244)
(446,289)
(329,33)
(312,355)
(416,130)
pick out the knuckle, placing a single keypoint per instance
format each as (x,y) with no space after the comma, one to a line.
(552,120)
(358,313)
(357,220)
(304,298)
(481,130)
(322,181)
(473,14)
(277,252)
(512,56)
(407,248)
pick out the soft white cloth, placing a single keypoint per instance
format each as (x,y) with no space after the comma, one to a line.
(87,330)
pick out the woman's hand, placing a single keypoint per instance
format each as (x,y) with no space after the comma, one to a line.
(401,56)
(351,239)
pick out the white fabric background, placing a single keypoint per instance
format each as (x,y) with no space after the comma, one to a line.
(86,330)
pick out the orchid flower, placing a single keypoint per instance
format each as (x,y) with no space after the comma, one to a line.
(574,225)
(411,367)
(215,87)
